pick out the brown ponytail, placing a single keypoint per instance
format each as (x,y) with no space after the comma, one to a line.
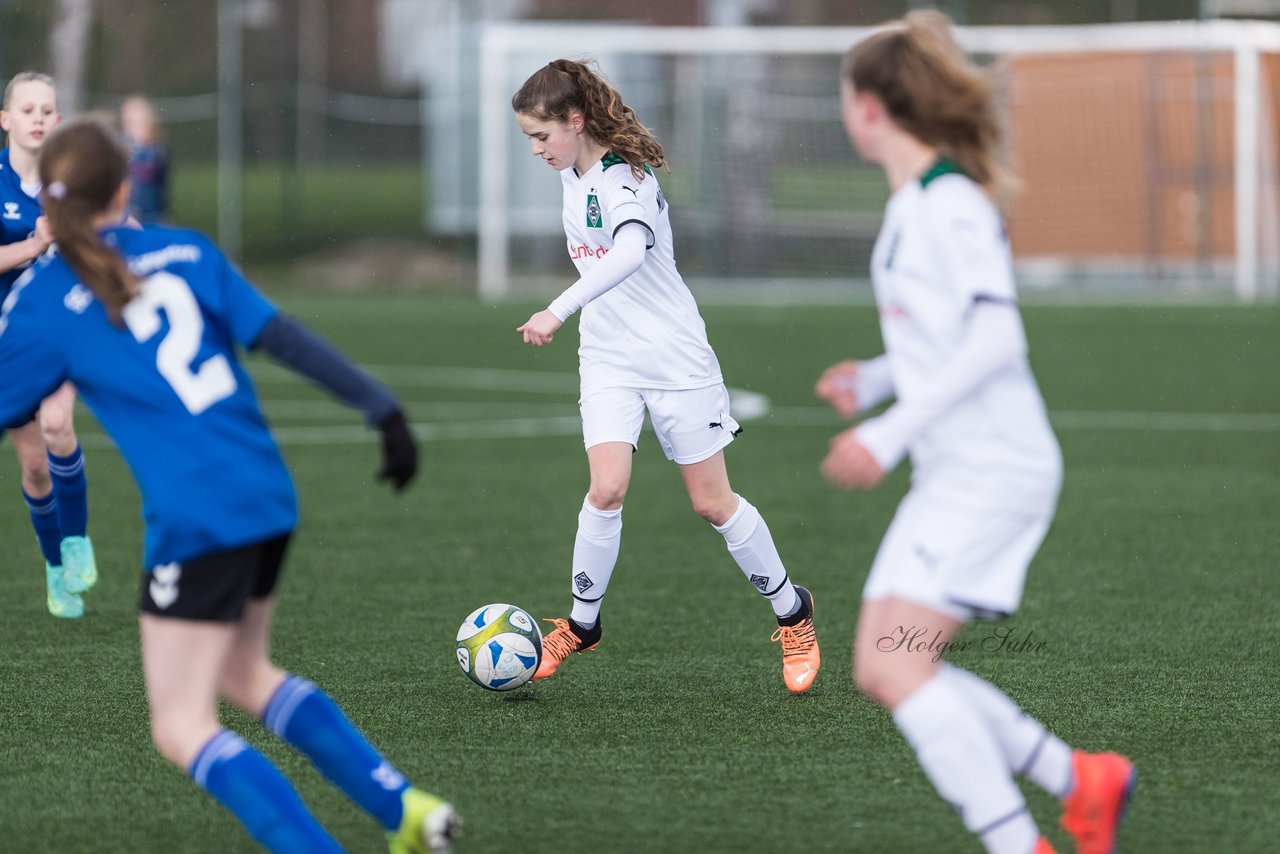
(564,86)
(82,167)
(934,93)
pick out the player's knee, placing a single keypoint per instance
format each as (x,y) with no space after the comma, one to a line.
(607,494)
(57,428)
(716,509)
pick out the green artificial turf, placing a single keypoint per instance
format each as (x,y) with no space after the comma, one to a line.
(1154,596)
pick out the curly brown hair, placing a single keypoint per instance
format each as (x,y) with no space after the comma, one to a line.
(932,91)
(566,86)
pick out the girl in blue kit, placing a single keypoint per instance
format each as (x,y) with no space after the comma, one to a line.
(146,322)
(53,480)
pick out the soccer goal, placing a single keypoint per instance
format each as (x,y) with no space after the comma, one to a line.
(1147,154)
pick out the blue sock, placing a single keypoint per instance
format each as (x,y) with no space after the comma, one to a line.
(44,518)
(70,488)
(245,782)
(304,716)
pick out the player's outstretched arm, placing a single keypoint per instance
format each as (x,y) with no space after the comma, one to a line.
(994,339)
(310,355)
(626,256)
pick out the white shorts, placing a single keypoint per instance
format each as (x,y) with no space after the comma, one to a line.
(692,424)
(961,561)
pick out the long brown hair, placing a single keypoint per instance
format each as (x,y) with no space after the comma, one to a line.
(82,166)
(932,91)
(564,86)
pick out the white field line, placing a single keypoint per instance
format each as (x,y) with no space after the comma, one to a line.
(1107,420)
(570,425)
(513,419)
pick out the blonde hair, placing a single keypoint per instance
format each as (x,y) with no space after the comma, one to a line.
(562,87)
(26,77)
(932,91)
(82,167)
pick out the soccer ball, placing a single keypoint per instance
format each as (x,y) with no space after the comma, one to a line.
(499,647)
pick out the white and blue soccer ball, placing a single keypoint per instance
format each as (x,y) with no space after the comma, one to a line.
(499,647)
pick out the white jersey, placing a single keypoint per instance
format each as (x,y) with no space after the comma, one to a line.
(942,250)
(645,332)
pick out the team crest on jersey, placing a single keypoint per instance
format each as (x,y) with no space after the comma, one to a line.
(11,210)
(594,219)
(78,299)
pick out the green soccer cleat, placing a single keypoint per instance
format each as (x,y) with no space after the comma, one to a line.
(61,603)
(429,824)
(81,570)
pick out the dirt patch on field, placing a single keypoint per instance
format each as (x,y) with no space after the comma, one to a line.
(382,264)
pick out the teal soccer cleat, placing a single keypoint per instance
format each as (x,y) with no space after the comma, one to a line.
(61,602)
(81,570)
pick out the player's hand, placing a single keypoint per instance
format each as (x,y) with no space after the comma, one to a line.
(849,465)
(43,235)
(399,451)
(835,386)
(540,329)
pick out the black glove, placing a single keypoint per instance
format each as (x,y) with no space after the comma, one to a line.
(399,451)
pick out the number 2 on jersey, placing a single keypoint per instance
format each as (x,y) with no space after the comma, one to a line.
(212,381)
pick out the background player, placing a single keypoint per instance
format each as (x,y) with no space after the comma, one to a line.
(146,321)
(986,465)
(643,347)
(148,160)
(53,480)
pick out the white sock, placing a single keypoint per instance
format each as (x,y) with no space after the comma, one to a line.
(751,545)
(595,552)
(963,760)
(1030,749)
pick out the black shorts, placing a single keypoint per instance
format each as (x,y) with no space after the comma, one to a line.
(216,586)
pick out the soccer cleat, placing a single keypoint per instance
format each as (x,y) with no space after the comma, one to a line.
(800,657)
(80,568)
(429,824)
(1043,847)
(564,640)
(1093,811)
(61,603)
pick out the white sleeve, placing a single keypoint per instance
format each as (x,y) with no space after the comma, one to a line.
(994,339)
(873,383)
(971,237)
(629,200)
(626,256)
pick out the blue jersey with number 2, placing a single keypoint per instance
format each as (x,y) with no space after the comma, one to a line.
(165,384)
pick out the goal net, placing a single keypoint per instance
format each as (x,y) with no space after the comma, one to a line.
(1147,154)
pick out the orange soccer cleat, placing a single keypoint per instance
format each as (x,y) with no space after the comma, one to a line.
(800,656)
(1095,807)
(1043,847)
(568,637)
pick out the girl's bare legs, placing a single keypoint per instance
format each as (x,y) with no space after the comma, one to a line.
(897,649)
(751,545)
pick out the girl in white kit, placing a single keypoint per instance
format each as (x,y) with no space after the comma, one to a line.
(643,348)
(986,468)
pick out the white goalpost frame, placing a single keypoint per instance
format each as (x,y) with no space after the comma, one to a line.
(1245,41)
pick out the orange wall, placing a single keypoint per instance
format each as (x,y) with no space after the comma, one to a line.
(1118,160)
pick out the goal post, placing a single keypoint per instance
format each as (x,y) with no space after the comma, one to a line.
(1148,153)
